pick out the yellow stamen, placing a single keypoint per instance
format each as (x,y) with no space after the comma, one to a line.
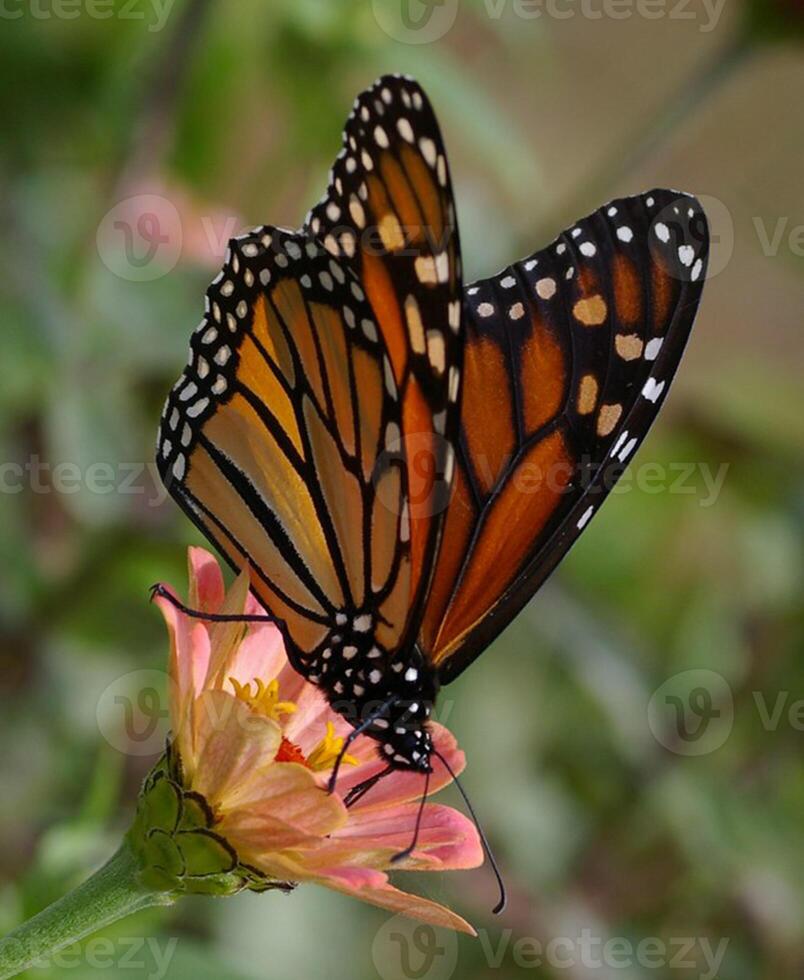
(327,751)
(265,698)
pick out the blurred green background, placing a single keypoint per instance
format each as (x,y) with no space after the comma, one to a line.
(604,817)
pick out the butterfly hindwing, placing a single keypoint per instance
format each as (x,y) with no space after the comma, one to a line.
(568,358)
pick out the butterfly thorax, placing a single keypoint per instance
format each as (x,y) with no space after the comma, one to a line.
(394,692)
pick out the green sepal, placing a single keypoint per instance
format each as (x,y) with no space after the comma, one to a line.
(176,844)
(205,853)
(160,851)
(162,805)
(195,812)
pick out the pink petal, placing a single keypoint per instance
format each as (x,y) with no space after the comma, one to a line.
(260,655)
(234,748)
(373,887)
(187,666)
(445,834)
(293,685)
(309,723)
(226,637)
(447,840)
(290,811)
(206,581)
(254,607)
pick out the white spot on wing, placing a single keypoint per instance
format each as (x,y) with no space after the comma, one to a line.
(454,315)
(626,451)
(653,390)
(546,288)
(662,232)
(405,129)
(428,148)
(652,348)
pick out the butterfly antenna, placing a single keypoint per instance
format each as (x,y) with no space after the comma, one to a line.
(412,846)
(483,839)
(159,591)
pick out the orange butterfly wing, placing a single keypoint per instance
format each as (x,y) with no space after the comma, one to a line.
(569,355)
(328,436)
(389,213)
(308,437)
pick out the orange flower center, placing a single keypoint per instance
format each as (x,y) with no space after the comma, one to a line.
(290,752)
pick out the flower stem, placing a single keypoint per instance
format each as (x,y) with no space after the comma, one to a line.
(112,892)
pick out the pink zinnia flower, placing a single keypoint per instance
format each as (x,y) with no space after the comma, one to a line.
(258,742)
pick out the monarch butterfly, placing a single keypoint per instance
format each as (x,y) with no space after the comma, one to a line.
(400,461)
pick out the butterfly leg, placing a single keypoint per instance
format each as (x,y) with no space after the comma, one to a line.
(159,591)
(358,792)
(362,727)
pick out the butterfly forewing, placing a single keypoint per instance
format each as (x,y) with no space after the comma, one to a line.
(389,213)
(568,357)
(268,446)
(311,435)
